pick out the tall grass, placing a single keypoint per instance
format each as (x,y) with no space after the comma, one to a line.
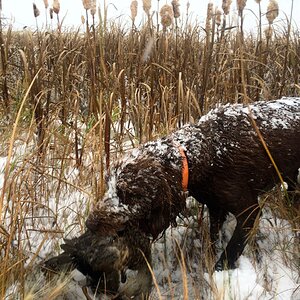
(73,100)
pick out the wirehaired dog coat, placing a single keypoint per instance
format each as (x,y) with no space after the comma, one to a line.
(228,168)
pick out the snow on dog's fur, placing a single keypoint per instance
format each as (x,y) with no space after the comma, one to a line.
(228,169)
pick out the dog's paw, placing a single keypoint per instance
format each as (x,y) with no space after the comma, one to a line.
(219,266)
(223,264)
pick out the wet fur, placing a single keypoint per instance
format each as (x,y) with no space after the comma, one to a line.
(228,169)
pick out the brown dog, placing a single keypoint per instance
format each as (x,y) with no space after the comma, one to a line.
(220,161)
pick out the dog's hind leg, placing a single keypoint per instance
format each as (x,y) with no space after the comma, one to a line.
(238,241)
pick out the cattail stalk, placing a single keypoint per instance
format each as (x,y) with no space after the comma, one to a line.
(241,4)
(287,51)
(46,4)
(56,9)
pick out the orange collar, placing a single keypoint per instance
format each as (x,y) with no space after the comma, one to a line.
(185,169)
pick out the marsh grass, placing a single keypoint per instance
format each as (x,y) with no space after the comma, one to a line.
(74,100)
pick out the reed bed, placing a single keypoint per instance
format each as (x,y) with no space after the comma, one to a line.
(73,100)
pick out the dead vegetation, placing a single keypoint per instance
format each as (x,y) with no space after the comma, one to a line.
(73,100)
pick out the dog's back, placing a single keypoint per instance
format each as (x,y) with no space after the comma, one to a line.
(230,166)
(235,139)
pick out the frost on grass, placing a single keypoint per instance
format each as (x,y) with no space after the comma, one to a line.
(267,270)
(179,259)
(46,202)
(270,269)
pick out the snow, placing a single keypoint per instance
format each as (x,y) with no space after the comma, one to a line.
(274,275)
(285,106)
(271,277)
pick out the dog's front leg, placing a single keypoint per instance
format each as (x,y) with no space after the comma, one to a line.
(238,241)
(217,217)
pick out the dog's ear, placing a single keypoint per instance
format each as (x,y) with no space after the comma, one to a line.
(144,189)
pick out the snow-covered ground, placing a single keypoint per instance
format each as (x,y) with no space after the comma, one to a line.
(268,270)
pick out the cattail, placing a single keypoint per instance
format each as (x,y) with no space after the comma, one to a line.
(147,6)
(51,13)
(86,4)
(272,11)
(46,3)
(148,49)
(269,32)
(166,15)
(176,10)
(133,9)
(226,6)
(257,1)
(209,15)
(93,7)
(36,11)
(241,4)
(82,20)
(56,6)
(218,17)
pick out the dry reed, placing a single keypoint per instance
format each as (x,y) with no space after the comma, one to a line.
(73,101)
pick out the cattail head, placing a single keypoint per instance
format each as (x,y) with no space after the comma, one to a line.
(36,11)
(218,17)
(210,8)
(176,10)
(188,4)
(147,6)
(272,11)
(257,1)
(86,4)
(226,6)
(133,9)
(46,3)
(93,7)
(51,13)
(268,32)
(241,4)
(209,16)
(56,6)
(166,15)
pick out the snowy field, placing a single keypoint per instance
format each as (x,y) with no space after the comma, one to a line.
(268,269)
